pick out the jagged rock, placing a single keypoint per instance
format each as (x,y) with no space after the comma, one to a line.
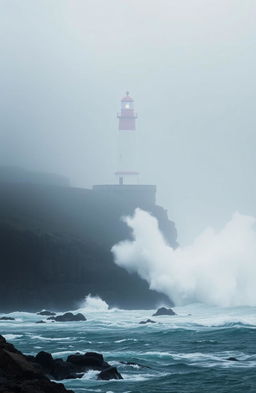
(7,319)
(164,311)
(56,368)
(88,361)
(29,374)
(109,373)
(233,359)
(68,317)
(146,321)
(46,313)
(40,321)
(46,234)
(20,375)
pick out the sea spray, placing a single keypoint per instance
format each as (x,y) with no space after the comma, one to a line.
(219,268)
(94,303)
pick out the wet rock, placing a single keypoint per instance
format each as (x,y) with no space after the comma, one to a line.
(164,311)
(68,317)
(146,321)
(7,319)
(21,370)
(109,373)
(20,374)
(88,361)
(46,313)
(40,321)
(232,359)
(56,368)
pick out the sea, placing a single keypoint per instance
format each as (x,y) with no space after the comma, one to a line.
(185,353)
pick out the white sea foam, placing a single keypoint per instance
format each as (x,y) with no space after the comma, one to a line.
(219,268)
(12,336)
(94,304)
(125,340)
(52,338)
(90,374)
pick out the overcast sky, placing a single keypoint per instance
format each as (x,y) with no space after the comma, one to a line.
(190,66)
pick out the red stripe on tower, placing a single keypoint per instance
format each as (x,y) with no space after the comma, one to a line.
(127,117)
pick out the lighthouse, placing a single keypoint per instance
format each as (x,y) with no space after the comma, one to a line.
(127,172)
(126,191)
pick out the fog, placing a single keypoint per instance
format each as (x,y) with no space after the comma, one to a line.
(189,65)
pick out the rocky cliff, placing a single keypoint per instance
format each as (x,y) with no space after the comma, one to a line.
(56,241)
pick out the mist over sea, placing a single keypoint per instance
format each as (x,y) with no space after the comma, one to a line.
(183,353)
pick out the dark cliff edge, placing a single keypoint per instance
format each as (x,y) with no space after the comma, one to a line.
(55,247)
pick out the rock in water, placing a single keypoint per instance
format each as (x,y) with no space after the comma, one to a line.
(7,319)
(164,311)
(233,359)
(20,374)
(146,321)
(88,361)
(68,317)
(56,368)
(46,313)
(109,373)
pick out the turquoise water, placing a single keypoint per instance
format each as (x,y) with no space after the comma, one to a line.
(180,354)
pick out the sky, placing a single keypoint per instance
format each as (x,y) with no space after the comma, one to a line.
(188,64)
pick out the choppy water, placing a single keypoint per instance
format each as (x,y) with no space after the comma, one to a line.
(184,353)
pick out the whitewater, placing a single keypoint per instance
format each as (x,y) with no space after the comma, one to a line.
(186,353)
(208,346)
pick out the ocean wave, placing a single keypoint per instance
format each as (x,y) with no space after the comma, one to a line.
(52,338)
(12,336)
(126,340)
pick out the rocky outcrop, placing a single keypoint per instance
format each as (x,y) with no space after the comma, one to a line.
(164,311)
(146,321)
(68,317)
(18,374)
(75,366)
(109,373)
(7,319)
(46,313)
(56,242)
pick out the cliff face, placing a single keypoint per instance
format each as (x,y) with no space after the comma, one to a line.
(55,247)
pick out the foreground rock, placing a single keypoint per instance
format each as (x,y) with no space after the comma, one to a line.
(164,311)
(146,321)
(76,365)
(109,373)
(46,313)
(19,374)
(68,317)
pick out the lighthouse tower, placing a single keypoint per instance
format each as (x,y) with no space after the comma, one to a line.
(127,158)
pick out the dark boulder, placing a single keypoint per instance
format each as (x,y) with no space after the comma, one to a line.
(109,373)
(18,374)
(56,368)
(146,321)
(7,319)
(88,361)
(164,311)
(232,359)
(46,313)
(40,321)
(68,317)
